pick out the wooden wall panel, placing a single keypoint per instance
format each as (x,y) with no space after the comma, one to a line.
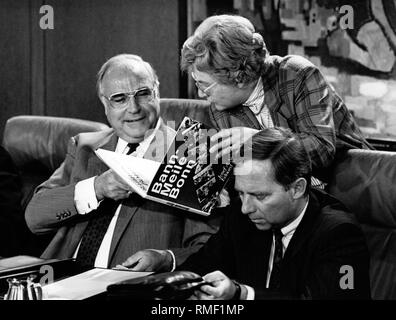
(14,60)
(89,32)
(37,60)
(53,72)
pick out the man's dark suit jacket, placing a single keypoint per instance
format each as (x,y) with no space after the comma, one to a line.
(326,239)
(142,225)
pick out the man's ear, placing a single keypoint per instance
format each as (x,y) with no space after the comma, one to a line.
(298,188)
(103,100)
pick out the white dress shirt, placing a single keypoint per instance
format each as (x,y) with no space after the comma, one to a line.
(85,198)
(256,103)
(288,232)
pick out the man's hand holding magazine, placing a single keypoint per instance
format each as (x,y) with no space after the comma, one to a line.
(111,185)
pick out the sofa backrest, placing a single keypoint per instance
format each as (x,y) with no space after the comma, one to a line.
(365,181)
(38,145)
(176,109)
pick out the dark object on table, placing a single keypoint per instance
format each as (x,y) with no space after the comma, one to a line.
(177,285)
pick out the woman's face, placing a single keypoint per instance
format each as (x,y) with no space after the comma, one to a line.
(224,96)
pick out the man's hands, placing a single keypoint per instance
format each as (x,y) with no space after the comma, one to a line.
(110,185)
(221,288)
(149,260)
(232,140)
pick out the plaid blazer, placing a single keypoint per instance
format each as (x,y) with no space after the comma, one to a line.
(298,97)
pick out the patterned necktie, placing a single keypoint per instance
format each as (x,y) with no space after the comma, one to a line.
(274,283)
(95,232)
(132,147)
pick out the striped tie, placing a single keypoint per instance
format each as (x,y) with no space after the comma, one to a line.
(274,283)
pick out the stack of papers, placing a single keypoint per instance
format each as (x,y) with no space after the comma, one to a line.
(87,284)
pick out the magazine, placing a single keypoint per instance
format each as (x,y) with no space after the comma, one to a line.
(187,178)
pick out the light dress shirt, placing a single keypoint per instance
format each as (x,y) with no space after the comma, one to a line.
(288,232)
(256,103)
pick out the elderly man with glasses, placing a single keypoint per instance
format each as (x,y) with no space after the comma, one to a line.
(94,216)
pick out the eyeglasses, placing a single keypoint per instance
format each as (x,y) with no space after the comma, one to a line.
(121,99)
(200,86)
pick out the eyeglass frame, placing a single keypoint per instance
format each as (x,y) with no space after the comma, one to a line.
(199,86)
(129,95)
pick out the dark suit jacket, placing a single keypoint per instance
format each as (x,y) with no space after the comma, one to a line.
(298,97)
(145,224)
(326,239)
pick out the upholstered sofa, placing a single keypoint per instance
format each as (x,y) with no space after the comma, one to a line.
(38,145)
(363,180)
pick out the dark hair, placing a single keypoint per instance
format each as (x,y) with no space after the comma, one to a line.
(226,47)
(287,153)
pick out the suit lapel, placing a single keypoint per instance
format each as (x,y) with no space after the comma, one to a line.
(125,215)
(304,229)
(242,116)
(266,241)
(247,116)
(272,98)
(128,209)
(97,166)
(252,247)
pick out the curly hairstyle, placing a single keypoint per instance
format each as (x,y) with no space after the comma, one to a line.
(227,47)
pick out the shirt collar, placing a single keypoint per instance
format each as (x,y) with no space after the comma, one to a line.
(256,98)
(292,226)
(143,145)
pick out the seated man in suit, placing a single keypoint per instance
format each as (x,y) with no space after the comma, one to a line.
(94,216)
(285,239)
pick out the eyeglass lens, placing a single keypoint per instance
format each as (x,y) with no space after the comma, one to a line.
(201,87)
(141,96)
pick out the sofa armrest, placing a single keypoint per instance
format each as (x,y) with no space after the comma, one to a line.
(42,138)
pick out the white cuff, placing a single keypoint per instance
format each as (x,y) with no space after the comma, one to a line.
(85,196)
(173,260)
(250,293)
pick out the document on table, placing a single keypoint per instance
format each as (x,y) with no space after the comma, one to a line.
(87,284)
